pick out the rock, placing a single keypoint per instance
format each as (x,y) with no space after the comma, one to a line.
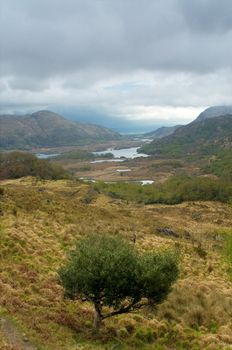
(41,189)
(167,232)
(218,238)
(187,235)
(25,339)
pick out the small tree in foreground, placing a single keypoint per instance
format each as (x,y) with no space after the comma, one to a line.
(111,274)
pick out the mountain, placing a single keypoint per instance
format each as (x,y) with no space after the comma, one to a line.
(162,132)
(48,129)
(215,111)
(199,137)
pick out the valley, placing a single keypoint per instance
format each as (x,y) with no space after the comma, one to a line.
(140,169)
(115,175)
(127,165)
(157,200)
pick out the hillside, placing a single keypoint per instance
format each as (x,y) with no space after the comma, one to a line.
(213,112)
(198,138)
(40,221)
(48,129)
(162,132)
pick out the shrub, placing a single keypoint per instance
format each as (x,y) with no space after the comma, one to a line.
(175,190)
(14,165)
(109,272)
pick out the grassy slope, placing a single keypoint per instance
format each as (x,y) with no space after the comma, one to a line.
(41,220)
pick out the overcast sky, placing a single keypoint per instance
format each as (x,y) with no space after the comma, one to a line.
(150,61)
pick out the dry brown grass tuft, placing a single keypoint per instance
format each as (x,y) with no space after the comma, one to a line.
(199,303)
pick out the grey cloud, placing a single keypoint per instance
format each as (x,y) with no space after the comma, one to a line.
(27,83)
(208,16)
(70,50)
(47,38)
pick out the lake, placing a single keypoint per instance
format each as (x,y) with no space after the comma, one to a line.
(142,182)
(128,153)
(45,156)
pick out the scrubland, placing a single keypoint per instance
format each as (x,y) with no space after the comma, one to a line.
(40,221)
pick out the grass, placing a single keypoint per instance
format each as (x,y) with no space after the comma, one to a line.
(226,237)
(39,224)
(228,251)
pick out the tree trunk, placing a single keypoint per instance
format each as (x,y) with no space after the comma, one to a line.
(97,319)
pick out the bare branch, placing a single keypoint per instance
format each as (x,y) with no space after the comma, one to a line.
(123,310)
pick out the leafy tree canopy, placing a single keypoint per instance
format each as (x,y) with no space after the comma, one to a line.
(109,272)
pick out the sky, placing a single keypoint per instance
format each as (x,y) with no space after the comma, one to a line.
(121,63)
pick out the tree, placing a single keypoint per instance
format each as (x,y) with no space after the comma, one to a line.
(111,274)
(14,165)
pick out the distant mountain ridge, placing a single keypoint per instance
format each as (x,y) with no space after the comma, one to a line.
(162,132)
(48,129)
(213,112)
(199,137)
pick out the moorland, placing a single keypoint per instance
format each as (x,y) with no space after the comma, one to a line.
(46,207)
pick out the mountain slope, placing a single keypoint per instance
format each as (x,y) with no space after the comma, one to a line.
(48,129)
(213,112)
(162,132)
(199,137)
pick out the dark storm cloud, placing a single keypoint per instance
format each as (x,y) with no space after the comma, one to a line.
(208,16)
(52,37)
(61,48)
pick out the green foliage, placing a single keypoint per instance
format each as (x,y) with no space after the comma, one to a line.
(145,335)
(221,165)
(175,190)
(108,271)
(200,188)
(199,139)
(99,268)
(14,165)
(78,155)
(158,272)
(82,155)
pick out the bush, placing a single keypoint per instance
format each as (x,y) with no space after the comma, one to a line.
(220,165)
(14,165)
(108,271)
(175,190)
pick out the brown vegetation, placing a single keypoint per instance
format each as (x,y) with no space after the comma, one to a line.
(40,220)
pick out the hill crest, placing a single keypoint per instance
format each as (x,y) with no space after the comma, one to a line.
(48,129)
(213,112)
(199,137)
(162,131)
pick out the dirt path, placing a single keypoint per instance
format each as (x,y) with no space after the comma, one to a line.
(13,336)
